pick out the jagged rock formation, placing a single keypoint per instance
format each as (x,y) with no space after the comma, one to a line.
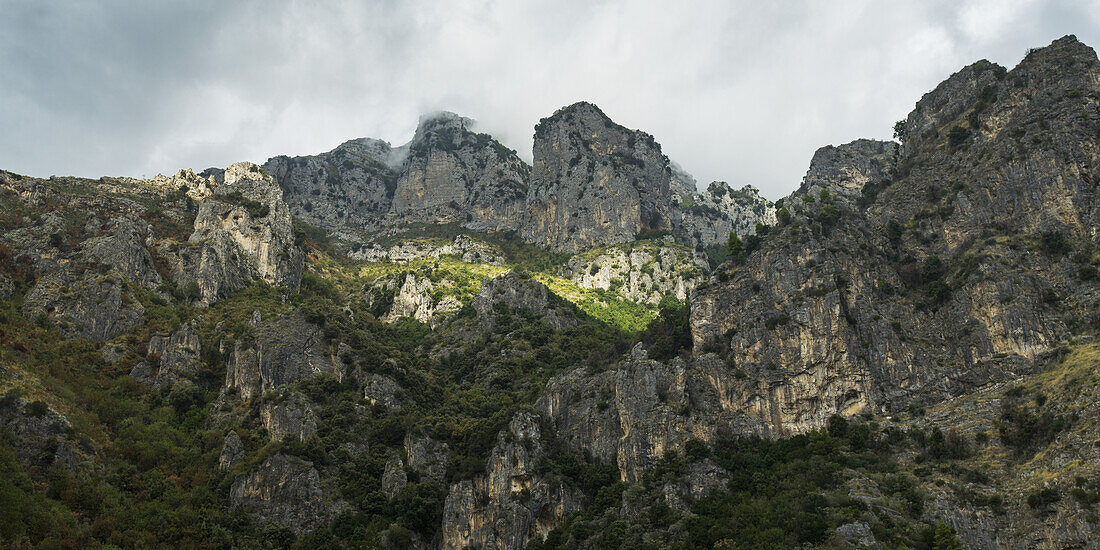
(288,416)
(512,504)
(284,350)
(94,305)
(447,173)
(453,174)
(243,232)
(285,491)
(641,271)
(350,185)
(931,289)
(427,456)
(632,414)
(394,478)
(709,217)
(383,390)
(415,298)
(170,359)
(469,250)
(846,169)
(594,182)
(913,340)
(515,292)
(232,451)
(43,436)
(90,307)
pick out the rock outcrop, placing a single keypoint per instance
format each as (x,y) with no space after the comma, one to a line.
(171,358)
(288,416)
(286,491)
(283,350)
(453,174)
(416,298)
(446,174)
(469,250)
(515,292)
(394,477)
(427,457)
(709,217)
(243,233)
(631,415)
(84,305)
(927,279)
(232,451)
(42,437)
(512,504)
(342,189)
(382,390)
(594,182)
(640,271)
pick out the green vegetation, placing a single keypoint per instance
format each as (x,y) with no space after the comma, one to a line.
(255,209)
(780,494)
(957,136)
(605,306)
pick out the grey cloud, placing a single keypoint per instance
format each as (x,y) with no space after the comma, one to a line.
(739,91)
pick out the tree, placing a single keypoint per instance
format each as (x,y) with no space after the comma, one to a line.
(735,247)
(899,130)
(945,538)
(784,216)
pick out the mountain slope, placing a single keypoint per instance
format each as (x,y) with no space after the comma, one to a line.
(906,357)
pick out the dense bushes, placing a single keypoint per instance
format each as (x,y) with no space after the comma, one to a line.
(670,333)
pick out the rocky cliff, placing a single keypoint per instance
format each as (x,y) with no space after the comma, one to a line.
(709,217)
(243,232)
(948,271)
(594,182)
(447,174)
(905,357)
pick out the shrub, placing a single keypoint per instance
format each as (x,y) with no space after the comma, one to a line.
(1042,499)
(783,215)
(957,136)
(735,248)
(1054,243)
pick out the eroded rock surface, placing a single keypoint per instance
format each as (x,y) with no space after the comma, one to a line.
(284,350)
(512,504)
(285,491)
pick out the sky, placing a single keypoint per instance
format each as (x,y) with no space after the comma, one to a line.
(739,91)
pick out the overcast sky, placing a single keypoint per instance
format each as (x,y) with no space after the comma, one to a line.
(737,91)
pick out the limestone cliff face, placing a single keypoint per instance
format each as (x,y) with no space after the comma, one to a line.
(511,504)
(517,293)
(641,271)
(447,173)
(468,249)
(96,305)
(632,414)
(243,232)
(929,278)
(43,437)
(171,358)
(284,350)
(286,491)
(846,169)
(415,298)
(709,217)
(453,174)
(342,189)
(594,182)
(288,416)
